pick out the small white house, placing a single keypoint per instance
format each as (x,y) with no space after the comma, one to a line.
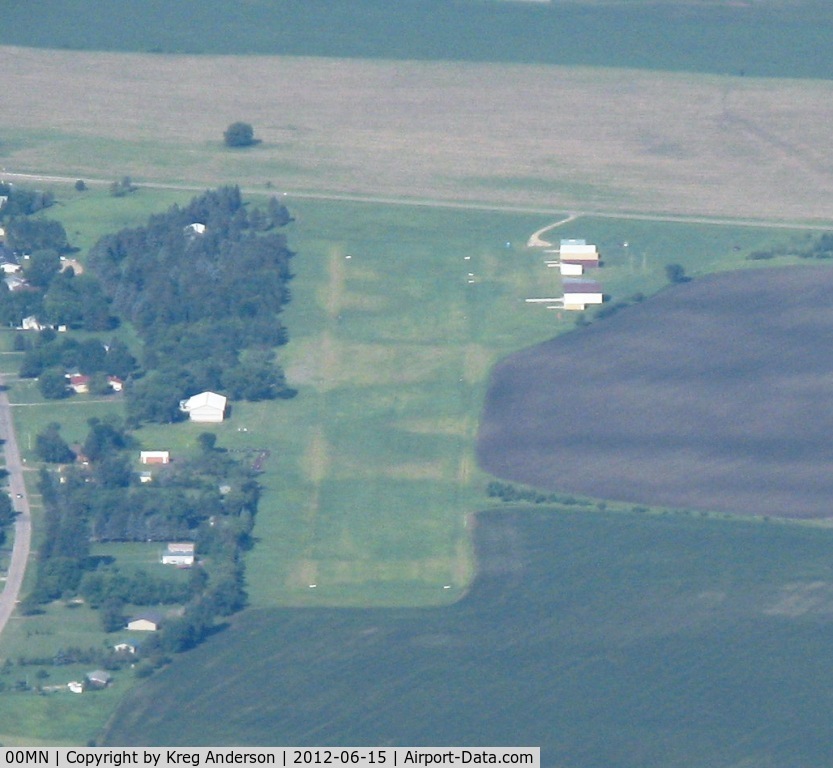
(179,553)
(124,648)
(75,686)
(579,293)
(196,228)
(155,457)
(207,407)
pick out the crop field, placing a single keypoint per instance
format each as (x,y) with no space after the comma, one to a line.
(515,136)
(722,379)
(626,640)
(771,38)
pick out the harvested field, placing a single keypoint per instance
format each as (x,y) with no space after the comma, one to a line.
(714,395)
(557,138)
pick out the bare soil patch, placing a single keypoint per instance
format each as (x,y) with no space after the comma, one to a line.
(561,138)
(714,395)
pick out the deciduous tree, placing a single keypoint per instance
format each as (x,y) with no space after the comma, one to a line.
(239,135)
(675,273)
(51,447)
(53,384)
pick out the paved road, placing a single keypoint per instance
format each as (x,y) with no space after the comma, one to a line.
(23,524)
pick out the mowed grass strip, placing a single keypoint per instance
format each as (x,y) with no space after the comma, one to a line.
(359,503)
(513,135)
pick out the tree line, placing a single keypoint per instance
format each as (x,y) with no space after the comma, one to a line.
(818,248)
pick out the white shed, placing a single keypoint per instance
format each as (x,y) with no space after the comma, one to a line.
(145,622)
(155,457)
(205,407)
(179,553)
(177,558)
(124,648)
(570,269)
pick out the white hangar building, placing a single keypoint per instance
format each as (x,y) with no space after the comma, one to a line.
(579,293)
(578,252)
(206,407)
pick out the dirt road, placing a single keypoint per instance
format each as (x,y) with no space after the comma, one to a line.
(784,222)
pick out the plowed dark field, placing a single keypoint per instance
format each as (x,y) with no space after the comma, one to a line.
(715,395)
